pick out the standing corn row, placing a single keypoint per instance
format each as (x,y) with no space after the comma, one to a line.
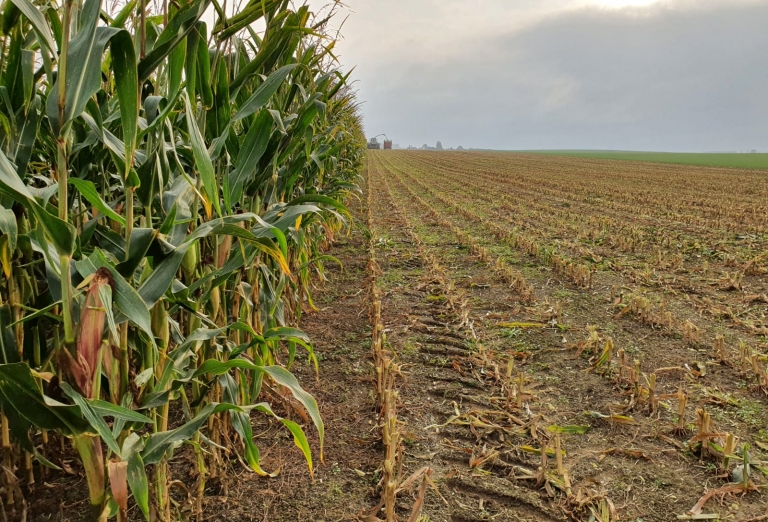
(167,190)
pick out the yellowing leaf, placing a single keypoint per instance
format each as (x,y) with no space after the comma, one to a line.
(569,430)
(521,325)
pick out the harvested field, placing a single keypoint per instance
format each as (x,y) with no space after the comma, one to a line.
(611,309)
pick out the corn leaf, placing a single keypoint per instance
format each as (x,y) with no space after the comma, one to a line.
(203,161)
(203,60)
(84,59)
(40,26)
(281,376)
(107,409)
(8,350)
(136,474)
(158,444)
(264,92)
(61,234)
(20,392)
(253,148)
(9,227)
(127,87)
(569,430)
(96,421)
(88,190)
(179,25)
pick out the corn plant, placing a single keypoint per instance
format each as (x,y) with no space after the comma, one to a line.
(167,191)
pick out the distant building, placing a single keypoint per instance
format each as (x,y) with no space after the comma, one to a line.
(396,146)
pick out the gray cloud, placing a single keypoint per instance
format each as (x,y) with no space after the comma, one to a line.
(674,76)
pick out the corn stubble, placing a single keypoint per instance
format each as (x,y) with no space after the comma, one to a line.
(199,175)
(550,220)
(393,480)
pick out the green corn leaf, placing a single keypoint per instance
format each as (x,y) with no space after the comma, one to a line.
(203,162)
(269,48)
(281,376)
(285,216)
(84,59)
(339,84)
(8,350)
(321,258)
(96,420)
(170,221)
(105,294)
(254,146)
(254,11)
(10,17)
(263,244)
(27,77)
(9,227)
(150,179)
(124,14)
(127,87)
(119,420)
(246,14)
(107,409)
(88,190)
(177,29)
(176,62)
(203,60)
(319,198)
(137,476)
(285,332)
(40,26)
(43,312)
(61,234)
(220,114)
(300,439)
(241,422)
(141,240)
(265,91)
(20,392)
(52,16)
(28,125)
(191,63)
(158,444)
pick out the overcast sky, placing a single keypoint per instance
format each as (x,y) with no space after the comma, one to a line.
(677,75)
